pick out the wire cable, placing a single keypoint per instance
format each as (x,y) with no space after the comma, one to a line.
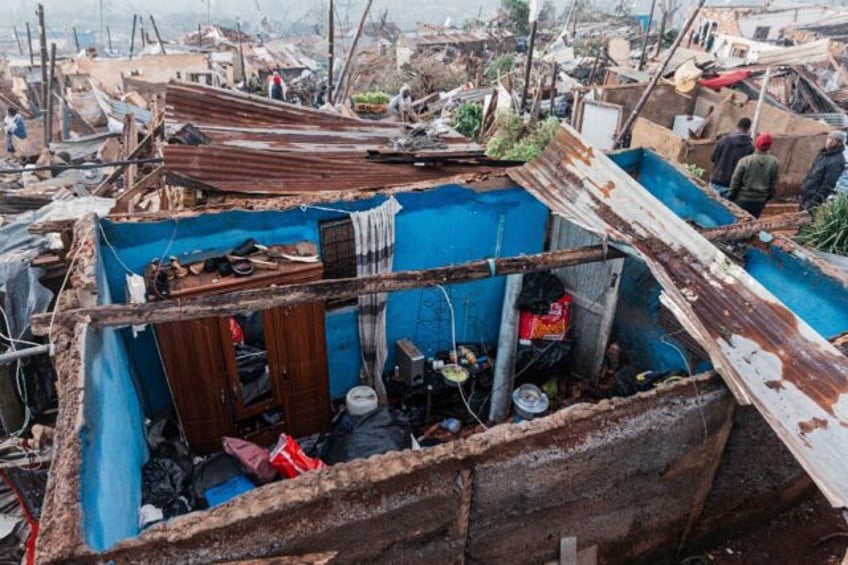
(453,344)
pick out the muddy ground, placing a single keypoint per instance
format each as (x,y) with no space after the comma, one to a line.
(810,533)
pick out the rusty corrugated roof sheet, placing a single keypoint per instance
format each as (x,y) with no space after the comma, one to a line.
(259,146)
(766,354)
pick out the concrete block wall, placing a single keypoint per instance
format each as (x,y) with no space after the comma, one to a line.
(622,474)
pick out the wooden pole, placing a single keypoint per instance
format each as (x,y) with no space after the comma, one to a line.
(330,40)
(29,45)
(261,299)
(662,33)
(109,38)
(763,93)
(141,31)
(241,56)
(647,35)
(625,129)
(18,39)
(351,52)
(76,39)
(528,65)
(49,135)
(554,73)
(42,41)
(132,35)
(158,37)
(199,36)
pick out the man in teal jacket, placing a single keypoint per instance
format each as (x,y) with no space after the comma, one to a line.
(754,180)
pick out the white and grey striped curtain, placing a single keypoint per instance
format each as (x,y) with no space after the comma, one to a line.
(375,248)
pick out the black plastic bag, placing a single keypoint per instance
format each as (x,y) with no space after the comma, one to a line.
(358,437)
(539,291)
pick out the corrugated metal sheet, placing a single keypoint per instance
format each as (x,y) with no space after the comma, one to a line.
(252,171)
(259,146)
(766,354)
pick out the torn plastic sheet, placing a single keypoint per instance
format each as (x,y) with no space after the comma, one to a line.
(22,293)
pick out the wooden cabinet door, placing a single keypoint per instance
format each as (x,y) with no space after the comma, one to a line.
(197,374)
(297,352)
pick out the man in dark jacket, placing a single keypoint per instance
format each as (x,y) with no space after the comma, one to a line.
(754,181)
(727,153)
(825,171)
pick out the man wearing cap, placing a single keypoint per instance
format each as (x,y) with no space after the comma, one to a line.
(825,171)
(727,153)
(754,181)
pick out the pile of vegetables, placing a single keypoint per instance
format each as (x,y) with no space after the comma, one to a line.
(371,98)
(829,230)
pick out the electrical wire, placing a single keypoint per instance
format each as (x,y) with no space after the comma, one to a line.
(113,250)
(698,401)
(454,350)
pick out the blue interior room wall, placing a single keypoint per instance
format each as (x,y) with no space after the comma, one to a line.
(438,227)
(636,328)
(673,188)
(113,439)
(819,300)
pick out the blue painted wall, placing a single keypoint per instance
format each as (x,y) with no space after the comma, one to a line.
(113,439)
(636,325)
(673,188)
(438,227)
(819,300)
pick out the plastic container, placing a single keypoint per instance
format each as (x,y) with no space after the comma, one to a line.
(529,402)
(361,400)
(227,490)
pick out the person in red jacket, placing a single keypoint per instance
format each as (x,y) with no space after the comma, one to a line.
(276,87)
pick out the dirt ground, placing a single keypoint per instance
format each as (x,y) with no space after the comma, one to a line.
(811,533)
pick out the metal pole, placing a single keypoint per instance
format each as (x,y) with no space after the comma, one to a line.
(29,44)
(507,345)
(330,39)
(351,52)
(158,37)
(76,39)
(763,92)
(241,56)
(647,35)
(528,66)
(18,39)
(10,356)
(132,35)
(42,41)
(49,136)
(625,129)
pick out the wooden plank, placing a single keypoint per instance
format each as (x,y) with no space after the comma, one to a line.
(568,551)
(126,201)
(261,299)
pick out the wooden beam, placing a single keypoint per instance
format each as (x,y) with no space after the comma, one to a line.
(124,201)
(332,289)
(135,153)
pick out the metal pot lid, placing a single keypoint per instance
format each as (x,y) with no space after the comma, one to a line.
(530,398)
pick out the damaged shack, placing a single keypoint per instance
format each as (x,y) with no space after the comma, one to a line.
(388,287)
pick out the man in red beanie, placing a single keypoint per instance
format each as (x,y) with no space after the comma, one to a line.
(754,181)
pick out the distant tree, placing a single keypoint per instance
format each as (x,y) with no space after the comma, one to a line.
(517,14)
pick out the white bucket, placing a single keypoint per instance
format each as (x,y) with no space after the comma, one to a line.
(361,400)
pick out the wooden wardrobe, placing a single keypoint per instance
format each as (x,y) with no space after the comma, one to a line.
(202,370)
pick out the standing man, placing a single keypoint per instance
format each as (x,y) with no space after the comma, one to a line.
(826,169)
(727,153)
(754,181)
(276,87)
(16,133)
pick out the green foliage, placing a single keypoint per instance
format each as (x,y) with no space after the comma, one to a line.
(514,141)
(829,230)
(502,65)
(517,13)
(694,170)
(469,119)
(371,98)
